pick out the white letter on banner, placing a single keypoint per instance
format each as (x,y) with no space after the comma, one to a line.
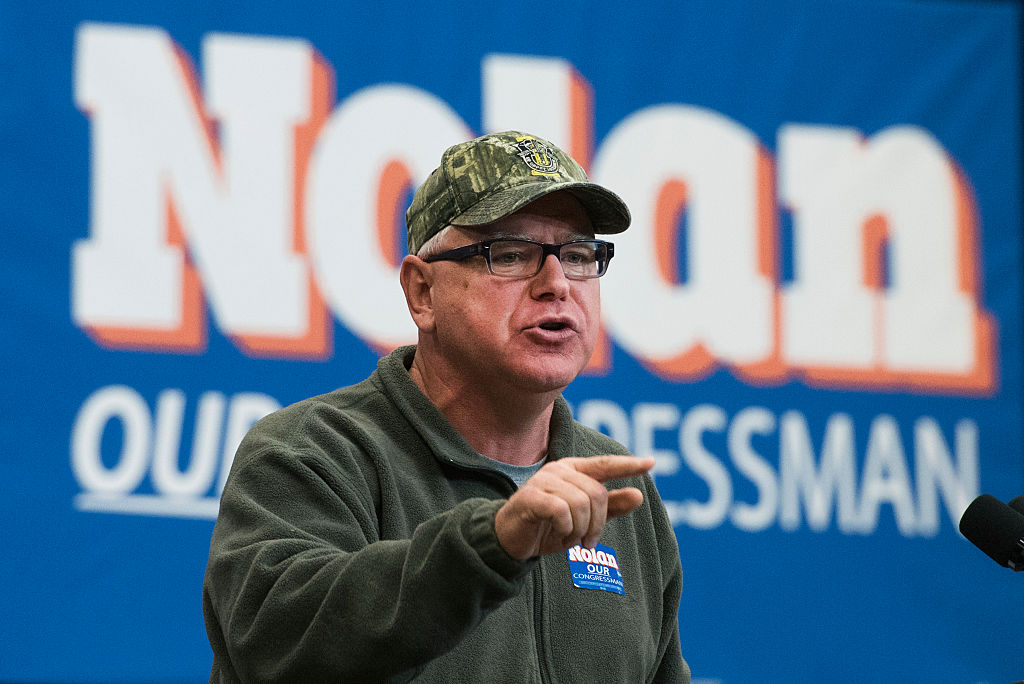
(934,471)
(664,161)
(698,420)
(851,200)
(886,478)
(647,418)
(539,95)
(834,482)
(751,421)
(379,143)
(197,478)
(160,180)
(125,405)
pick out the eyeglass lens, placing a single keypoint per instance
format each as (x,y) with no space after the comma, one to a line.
(517,258)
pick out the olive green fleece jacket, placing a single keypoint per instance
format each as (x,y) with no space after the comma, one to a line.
(356,543)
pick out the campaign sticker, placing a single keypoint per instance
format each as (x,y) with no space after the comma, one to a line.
(596,568)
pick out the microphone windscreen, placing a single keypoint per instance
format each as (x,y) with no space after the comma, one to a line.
(1017,504)
(994,528)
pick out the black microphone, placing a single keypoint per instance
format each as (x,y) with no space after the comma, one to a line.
(997,529)
(1017,504)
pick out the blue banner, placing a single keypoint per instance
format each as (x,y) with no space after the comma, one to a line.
(813,325)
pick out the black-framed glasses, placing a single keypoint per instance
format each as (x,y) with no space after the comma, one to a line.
(507,258)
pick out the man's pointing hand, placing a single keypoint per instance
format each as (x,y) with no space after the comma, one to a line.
(566,503)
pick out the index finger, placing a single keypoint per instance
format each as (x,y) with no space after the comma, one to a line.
(604,468)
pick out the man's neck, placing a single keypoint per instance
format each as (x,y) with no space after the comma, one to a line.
(503,425)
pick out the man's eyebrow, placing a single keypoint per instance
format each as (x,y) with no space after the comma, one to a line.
(510,236)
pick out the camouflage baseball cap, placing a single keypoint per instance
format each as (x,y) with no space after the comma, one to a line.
(492,176)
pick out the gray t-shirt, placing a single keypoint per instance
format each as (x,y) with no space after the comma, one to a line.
(518,473)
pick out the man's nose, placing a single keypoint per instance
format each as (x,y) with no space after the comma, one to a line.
(550,281)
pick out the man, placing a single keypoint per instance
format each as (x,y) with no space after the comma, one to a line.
(446,519)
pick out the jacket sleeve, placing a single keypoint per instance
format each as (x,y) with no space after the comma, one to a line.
(672,668)
(298,586)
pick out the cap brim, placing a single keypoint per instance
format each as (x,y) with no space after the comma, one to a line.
(608,213)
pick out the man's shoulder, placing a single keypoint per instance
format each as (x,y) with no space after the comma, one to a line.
(321,422)
(352,397)
(368,396)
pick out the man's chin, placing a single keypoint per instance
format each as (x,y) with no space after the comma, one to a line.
(547,376)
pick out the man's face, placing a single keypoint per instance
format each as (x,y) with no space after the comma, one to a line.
(534,334)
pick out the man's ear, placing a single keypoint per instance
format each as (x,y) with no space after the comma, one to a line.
(416,278)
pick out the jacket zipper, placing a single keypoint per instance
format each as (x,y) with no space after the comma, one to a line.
(538,589)
(538,603)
